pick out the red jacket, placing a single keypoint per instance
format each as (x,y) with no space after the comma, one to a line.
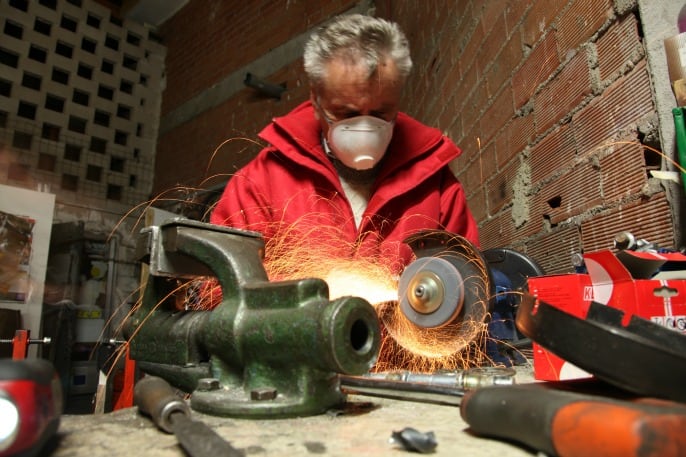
(291,192)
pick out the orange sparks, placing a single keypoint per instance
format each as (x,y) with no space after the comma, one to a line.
(405,346)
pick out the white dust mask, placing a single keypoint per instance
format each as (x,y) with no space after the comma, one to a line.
(361,141)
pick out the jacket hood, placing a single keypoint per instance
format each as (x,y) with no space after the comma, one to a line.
(298,136)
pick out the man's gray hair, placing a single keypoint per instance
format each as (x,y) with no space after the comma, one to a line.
(356,37)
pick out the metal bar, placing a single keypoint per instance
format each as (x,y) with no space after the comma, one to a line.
(402,390)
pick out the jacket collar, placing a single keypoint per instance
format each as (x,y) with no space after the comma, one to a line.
(298,136)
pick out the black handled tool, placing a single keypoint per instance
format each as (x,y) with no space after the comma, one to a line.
(155,398)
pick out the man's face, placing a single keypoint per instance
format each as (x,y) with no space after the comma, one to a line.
(348,91)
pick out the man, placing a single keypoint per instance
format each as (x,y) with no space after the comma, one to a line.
(346,173)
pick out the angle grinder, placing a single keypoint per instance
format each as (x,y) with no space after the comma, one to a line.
(450,280)
(452,294)
(443,301)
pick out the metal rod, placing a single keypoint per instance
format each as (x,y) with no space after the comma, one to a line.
(439,388)
(402,390)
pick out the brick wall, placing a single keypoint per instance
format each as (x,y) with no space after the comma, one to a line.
(206,41)
(549,100)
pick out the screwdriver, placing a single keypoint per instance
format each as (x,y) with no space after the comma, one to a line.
(155,398)
(576,424)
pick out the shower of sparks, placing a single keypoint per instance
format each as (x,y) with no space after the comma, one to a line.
(405,346)
(365,280)
(291,255)
(455,345)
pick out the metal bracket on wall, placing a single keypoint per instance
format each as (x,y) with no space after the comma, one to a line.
(264,87)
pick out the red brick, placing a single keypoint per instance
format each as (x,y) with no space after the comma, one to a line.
(581,21)
(473,48)
(465,86)
(487,161)
(539,18)
(497,231)
(500,188)
(573,193)
(197,139)
(490,48)
(504,64)
(456,130)
(228,38)
(471,114)
(555,151)
(477,205)
(445,86)
(514,11)
(649,219)
(518,133)
(553,251)
(472,177)
(622,105)
(620,45)
(564,93)
(537,67)
(623,171)
(497,115)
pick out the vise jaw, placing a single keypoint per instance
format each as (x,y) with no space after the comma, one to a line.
(269,349)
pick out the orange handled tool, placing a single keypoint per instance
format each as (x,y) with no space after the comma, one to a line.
(572,424)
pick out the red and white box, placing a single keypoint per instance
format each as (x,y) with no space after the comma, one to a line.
(648,284)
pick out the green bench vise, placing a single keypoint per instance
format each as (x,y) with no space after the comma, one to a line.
(269,349)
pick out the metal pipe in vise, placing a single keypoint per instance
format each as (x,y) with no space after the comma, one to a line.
(270,349)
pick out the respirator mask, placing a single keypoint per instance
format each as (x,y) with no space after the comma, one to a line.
(360,142)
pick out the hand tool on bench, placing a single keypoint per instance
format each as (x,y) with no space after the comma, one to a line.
(554,419)
(635,359)
(156,398)
(438,388)
(565,419)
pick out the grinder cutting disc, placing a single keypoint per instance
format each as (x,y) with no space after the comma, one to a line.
(431,293)
(448,282)
(443,302)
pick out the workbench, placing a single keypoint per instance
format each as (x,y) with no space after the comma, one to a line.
(363,428)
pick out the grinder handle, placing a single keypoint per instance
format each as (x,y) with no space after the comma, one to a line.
(570,424)
(156,398)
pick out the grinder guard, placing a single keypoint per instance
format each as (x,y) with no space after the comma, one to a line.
(270,349)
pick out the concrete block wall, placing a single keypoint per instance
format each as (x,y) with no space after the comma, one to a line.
(80,103)
(80,94)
